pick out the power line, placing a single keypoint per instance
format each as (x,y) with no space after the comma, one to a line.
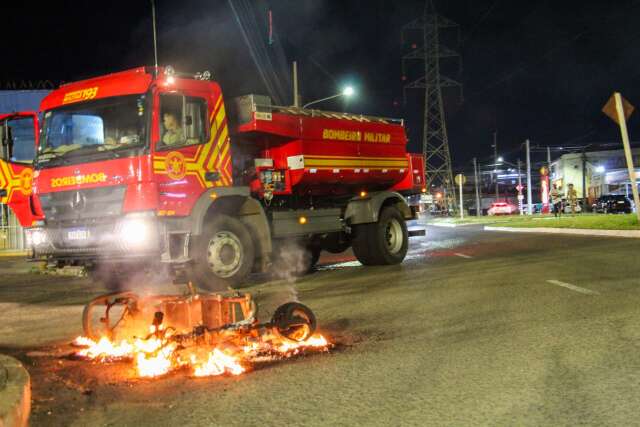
(480,21)
(260,54)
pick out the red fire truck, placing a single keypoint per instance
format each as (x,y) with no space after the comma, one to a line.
(150,167)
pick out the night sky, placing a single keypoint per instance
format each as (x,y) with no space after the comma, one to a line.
(538,70)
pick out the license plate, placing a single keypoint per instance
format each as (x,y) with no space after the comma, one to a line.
(78,234)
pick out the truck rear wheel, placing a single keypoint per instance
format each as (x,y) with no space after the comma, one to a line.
(384,242)
(224,254)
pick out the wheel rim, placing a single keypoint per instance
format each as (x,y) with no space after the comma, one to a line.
(394,236)
(225,254)
(298,333)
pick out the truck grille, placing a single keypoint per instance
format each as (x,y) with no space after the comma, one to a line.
(72,205)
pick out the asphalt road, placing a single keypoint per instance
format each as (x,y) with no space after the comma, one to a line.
(474,328)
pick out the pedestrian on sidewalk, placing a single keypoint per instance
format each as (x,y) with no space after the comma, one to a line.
(556,200)
(572,196)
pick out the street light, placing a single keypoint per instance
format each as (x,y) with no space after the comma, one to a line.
(600,169)
(500,159)
(347,91)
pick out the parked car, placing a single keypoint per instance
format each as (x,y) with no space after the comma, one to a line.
(612,203)
(502,208)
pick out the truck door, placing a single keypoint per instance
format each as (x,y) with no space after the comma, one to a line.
(191,153)
(18,133)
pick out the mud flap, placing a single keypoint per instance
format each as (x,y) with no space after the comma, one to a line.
(417,232)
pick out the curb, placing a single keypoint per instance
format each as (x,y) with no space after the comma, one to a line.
(13,254)
(15,393)
(573,231)
(452,224)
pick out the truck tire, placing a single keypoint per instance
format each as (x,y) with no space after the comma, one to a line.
(224,254)
(384,242)
(335,243)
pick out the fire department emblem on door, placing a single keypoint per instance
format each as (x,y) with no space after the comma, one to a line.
(26,181)
(176,167)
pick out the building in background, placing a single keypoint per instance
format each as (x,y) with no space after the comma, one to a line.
(605,172)
(11,101)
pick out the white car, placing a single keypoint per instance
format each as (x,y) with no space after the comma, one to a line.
(502,208)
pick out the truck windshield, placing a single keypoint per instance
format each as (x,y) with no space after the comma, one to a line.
(103,125)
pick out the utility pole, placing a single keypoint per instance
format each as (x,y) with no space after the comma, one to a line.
(475,178)
(435,142)
(155,38)
(519,190)
(584,179)
(460,182)
(495,161)
(529,202)
(296,97)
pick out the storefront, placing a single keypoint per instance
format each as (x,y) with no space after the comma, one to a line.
(603,172)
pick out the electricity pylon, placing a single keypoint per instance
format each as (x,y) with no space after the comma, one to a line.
(435,143)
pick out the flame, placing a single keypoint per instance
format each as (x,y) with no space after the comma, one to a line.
(217,364)
(316,340)
(153,357)
(157,355)
(104,349)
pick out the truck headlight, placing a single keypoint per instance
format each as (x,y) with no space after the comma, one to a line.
(138,230)
(36,237)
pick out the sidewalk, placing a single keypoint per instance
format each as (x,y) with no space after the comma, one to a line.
(573,231)
(15,393)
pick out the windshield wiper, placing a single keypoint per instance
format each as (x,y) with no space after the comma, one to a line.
(81,149)
(61,152)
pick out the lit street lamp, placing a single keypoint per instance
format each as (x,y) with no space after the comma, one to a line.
(347,91)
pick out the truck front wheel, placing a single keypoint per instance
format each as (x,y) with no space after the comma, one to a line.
(384,242)
(224,254)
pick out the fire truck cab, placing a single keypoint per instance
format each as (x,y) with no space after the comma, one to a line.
(146,167)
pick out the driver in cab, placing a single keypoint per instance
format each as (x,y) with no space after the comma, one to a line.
(173,134)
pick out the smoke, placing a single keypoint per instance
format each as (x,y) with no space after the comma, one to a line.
(292,259)
(144,281)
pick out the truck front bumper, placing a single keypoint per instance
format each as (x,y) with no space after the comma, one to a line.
(128,238)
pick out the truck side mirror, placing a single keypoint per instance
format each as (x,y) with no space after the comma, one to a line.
(2,141)
(5,146)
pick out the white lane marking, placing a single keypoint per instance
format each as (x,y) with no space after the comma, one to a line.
(573,287)
(463,255)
